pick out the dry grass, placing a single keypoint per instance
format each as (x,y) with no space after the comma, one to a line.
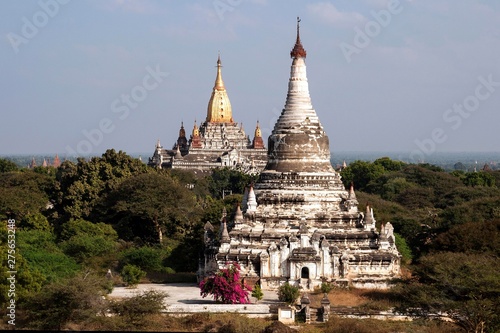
(203,322)
(347,325)
(373,299)
(228,323)
(343,297)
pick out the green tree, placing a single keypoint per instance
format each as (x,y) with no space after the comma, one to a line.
(7,165)
(478,210)
(226,181)
(150,205)
(388,164)
(36,221)
(43,256)
(257,292)
(326,287)
(470,238)
(24,193)
(403,249)
(132,275)
(83,187)
(463,194)
(464,286)
(394,187)
(410,228)
(479,179)
(496,175)
(84,240)
(459,166)
(414,197)
(28,279)
(135,310)
(76,300)
(79,227)
(431,177)
(198,185)
(288,293)
(147,258)
(361,173)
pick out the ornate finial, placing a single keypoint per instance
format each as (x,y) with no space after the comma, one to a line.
(298,27)
(219,84)
(298,49)
(182,131)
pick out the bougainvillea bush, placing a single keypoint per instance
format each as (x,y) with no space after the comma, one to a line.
(225,286)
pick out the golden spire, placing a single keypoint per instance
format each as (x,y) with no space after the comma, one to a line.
(258,143)
(219,84)
(219,107)
(258,132)
(196,131)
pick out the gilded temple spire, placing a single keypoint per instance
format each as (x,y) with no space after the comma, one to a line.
(219,106)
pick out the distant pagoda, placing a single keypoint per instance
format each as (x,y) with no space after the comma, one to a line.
(45,163)
(218,142)
(297,223)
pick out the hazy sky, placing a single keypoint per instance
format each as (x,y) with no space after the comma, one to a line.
(84,76)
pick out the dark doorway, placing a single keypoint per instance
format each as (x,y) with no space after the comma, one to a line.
(304,274)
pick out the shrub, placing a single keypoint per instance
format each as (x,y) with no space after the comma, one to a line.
(131,275)
(75,300)
(288,293)
(326,287)
(43,255)
(83,247)
(404,249)
(257,292)
(147,258)
(240,324)
(136,308)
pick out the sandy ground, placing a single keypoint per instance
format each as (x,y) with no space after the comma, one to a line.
(184,293)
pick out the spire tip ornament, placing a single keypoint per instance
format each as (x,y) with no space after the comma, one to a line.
(298,50)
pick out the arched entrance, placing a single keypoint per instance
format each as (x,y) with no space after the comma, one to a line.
(304,273)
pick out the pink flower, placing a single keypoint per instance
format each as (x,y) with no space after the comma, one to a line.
(225,286)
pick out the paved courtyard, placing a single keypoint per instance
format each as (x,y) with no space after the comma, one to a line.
(182,293)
